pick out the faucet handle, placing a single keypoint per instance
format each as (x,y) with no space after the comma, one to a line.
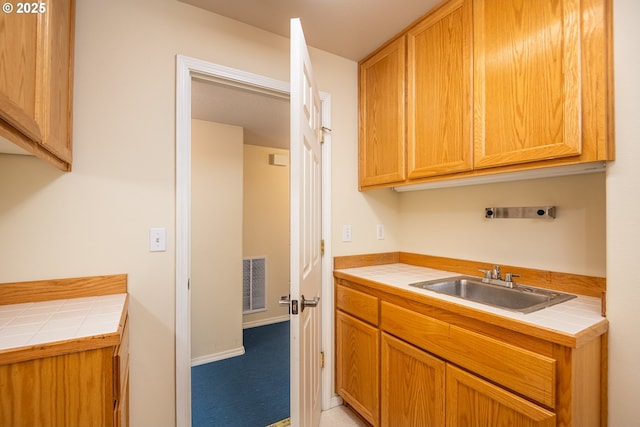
(487,273)
(509,277)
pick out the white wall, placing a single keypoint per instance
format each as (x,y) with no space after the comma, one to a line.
(217,159)
(623,223)
(266,226)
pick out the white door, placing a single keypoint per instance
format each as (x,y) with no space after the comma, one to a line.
(305,236)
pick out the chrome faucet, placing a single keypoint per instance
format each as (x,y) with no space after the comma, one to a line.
(494,277)
(497,273)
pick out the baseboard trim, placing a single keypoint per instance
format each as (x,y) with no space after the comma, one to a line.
(263,322)
(196,361)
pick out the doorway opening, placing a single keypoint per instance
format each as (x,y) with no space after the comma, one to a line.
(239,255)
(190,70)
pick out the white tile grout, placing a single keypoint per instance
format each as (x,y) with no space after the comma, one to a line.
(48,321)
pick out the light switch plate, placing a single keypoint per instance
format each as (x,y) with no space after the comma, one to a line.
(157,239)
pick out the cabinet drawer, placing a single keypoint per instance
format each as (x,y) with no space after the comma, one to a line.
(521,370)
(357,304)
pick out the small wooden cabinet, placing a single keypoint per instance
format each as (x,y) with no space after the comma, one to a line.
(71,381)
(80,388)
(36,79)
(490,87)
(358,352)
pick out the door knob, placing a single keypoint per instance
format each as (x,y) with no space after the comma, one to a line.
(285,300)
(309,302)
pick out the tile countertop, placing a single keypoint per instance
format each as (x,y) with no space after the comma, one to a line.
(41,323)
(571,317)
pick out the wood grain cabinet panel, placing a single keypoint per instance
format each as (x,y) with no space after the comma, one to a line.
(490,86)
(381,153)
(88,388)
(358,304)
(527,91)
(36,79)
(472,401)
(358,366)
(413,384)
(439,82)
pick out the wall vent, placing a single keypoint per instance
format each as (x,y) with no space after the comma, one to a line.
(254,284)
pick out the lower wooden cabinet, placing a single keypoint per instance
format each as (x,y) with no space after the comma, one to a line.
(413,394)
(472,401)
(412,365)
(357,367)
(82,389)
(413,385)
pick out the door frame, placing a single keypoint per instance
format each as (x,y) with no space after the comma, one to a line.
(187,69)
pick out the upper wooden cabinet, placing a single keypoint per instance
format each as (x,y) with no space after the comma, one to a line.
(36,79)
(382,116)
(439,92)
(492,86)
(526,81)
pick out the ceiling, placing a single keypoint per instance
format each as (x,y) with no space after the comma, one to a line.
(348,28)
(265,118)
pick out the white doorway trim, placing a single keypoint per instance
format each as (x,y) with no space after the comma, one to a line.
(186,70)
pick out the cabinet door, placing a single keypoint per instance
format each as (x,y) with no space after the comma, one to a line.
(382,116)
(412,386)
(54,115)
(475,402)
(439,81)
(357,366)
(527,88)
(36,79)
(18,65)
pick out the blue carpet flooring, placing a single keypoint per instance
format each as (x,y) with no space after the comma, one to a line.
(251,390)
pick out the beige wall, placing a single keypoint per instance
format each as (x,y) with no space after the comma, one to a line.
(623,223)
(450,222)
(266,226)
(96,219)
(216,239)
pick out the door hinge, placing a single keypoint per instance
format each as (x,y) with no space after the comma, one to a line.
(322,247)
(322,359)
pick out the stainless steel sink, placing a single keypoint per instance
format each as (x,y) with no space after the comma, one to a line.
(520,298)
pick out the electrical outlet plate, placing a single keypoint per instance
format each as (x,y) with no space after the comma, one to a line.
(380,231)
(346,233)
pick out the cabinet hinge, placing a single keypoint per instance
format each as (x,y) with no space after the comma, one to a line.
(322,247)
(322,359)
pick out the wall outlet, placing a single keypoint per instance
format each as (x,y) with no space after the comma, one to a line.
(380,231)
(346,233)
